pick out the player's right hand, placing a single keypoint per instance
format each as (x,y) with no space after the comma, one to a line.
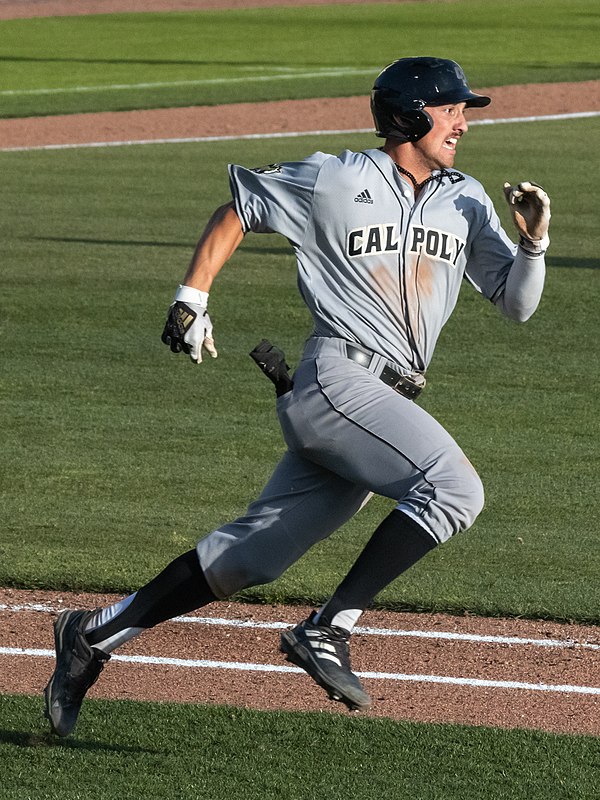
(188,327)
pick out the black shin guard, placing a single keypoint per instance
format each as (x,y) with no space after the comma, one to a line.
(396,545)
(181,587)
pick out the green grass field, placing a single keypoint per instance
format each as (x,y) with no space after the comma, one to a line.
(103,427)
(99,416)
(114,62)
(146,750)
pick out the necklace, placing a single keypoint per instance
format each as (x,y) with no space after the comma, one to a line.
(454,177)
(417,186)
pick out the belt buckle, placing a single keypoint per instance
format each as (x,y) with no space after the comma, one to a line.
(409,386)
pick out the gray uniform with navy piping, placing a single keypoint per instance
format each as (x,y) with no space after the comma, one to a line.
(380,274)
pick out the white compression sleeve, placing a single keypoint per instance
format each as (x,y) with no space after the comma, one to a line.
(524,285)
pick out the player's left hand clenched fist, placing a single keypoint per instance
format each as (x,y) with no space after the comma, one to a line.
(530,208)
(188,327)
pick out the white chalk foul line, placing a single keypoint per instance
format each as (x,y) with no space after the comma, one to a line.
(280,135)
(367,631)
(418,634)
(287,75)
(380,676)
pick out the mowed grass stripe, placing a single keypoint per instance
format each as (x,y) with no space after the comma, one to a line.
(202,58)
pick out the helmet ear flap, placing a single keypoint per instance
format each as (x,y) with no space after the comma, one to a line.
(394,120)
(411,125)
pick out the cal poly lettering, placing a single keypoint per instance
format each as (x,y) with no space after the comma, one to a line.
(374,239)
(438,244)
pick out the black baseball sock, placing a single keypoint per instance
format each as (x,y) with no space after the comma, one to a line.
(396,545)
(179,588)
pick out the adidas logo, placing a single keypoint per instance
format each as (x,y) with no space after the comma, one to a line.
(364,197)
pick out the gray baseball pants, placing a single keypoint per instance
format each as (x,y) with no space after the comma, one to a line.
(348,436)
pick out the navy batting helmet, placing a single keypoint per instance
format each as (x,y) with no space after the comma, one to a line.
(405,87)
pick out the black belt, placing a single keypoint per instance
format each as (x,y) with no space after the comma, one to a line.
(409,386)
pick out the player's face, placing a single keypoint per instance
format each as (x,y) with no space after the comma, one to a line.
(438,148)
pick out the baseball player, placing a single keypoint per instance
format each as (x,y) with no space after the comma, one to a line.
(383,239)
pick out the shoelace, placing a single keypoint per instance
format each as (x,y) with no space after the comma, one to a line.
(339,638)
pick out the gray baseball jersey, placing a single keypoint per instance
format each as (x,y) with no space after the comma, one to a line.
(375,267)
(381,270)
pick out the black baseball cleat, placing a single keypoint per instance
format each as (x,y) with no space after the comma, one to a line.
(322,651)
(77,668)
